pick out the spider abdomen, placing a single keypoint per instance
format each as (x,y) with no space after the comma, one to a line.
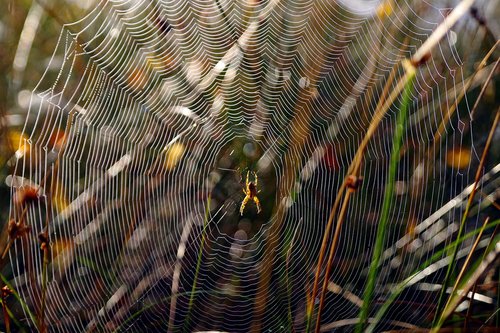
(252,190)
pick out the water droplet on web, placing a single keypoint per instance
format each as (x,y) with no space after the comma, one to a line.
(304,82)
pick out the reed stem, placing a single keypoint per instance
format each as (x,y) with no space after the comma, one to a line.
(464,218)
(389,194)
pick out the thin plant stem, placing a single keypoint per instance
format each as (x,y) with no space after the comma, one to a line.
(8,315)
(298,128)
(459,278)
(464,218)
(389,193)
(20,300)
(413,278)
(461,9)
(486,263)
(467,261)
(288,287)
(43,327)
(6,318)
(498,304)
(198,265)
(485,85)
(439,253)
(451,110)
(336,236)
(468,315)
(381,108)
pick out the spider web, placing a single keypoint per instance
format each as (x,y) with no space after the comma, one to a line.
(140,147)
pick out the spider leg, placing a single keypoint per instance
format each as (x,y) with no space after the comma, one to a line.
(257,203)
(243,204)
(248,173)
(256,179)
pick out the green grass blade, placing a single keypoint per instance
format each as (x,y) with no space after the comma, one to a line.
(20,300)
(198,264)
(388,198)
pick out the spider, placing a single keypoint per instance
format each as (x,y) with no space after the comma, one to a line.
(250,192)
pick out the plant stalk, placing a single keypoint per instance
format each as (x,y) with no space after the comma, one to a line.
(198,265)
(464,218)
(389,193)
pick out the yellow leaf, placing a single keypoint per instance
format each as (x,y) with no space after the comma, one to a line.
(59,200)
(174,155)
(18,142)
(384,9)
(59,245)
(136,79)
(458,158)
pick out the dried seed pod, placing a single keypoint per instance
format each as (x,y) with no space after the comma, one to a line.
(6,292)
(43,238)
(421,61)
(26,195)
(18,229)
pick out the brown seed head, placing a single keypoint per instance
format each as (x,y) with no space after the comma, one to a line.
(353,182)
(26,195)
(421,61)
(6,291)
(18,229)
(43,238)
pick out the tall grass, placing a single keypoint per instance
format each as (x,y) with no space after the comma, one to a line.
(387,204)
(438,319)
